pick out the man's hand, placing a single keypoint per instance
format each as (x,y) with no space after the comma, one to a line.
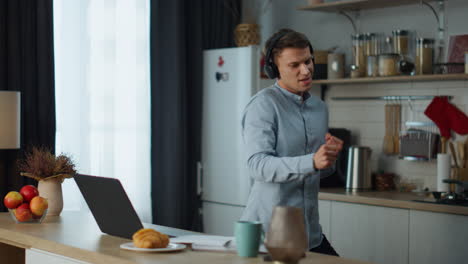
(326,155)
(332,140)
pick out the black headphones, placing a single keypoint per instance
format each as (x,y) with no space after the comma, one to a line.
(270,67)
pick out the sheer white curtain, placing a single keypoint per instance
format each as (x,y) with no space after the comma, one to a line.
(103,94)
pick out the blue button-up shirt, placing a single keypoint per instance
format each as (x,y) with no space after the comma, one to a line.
(281,133)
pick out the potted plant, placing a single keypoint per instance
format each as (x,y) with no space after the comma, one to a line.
(50,171)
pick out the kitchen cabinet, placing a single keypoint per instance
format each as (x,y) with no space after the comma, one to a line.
(324,214)
(386,234)
(437,238)
(36,256)
(219,219)
(371,233)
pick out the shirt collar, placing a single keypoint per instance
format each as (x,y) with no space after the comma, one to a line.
(293,96)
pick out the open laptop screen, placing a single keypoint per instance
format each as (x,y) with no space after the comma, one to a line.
(109,204)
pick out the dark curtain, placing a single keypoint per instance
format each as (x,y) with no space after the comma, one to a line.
(27,65)
(180,30)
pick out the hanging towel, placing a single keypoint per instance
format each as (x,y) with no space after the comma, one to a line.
(447,117)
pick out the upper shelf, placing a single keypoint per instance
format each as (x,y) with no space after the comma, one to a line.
(354,5)
(416,78)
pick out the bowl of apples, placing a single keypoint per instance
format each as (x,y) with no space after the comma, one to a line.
(26,206)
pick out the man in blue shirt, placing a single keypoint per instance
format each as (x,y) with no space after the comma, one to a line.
(284,130)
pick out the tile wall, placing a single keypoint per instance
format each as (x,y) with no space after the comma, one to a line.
(365,119)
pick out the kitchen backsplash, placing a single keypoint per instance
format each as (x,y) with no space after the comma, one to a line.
(366,119)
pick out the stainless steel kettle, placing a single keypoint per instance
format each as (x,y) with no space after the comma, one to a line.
(358,174)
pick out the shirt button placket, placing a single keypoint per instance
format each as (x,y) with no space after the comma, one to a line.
(301,110)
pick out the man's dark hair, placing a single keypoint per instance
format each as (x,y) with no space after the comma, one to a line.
(289,39)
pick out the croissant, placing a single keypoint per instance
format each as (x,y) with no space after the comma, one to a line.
(150,238)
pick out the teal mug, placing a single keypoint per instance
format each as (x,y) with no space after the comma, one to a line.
(248,236)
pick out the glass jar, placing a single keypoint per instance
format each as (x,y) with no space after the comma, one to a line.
(424,55)
(372,44)
(388,64)
(354,71)
(359,57)
(366,43)
(387,45)
(400,41)
(372,66)
(335,65)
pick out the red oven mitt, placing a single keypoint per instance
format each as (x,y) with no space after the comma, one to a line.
(447,117)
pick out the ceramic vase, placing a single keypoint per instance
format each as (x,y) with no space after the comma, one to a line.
(286,239)
(51,189)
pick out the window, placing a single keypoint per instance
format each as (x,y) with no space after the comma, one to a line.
(103,94)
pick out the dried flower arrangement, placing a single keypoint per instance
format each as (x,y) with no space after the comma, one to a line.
(41,164)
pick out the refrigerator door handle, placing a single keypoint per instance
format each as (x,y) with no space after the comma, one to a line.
(199,178)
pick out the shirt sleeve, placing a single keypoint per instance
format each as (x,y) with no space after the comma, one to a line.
(259,130)
(327,172)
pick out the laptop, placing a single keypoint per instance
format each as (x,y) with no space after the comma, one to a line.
(109,204)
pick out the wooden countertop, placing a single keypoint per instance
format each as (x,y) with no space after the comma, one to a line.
(76,235)
(391,199)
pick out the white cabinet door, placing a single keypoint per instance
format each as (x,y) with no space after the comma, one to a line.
(37,256)
(370,233)
(219,219)
(438,238)
(324,208)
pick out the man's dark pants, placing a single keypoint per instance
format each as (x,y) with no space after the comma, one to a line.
(325,248)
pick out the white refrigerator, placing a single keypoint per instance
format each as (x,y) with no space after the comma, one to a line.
(230,78)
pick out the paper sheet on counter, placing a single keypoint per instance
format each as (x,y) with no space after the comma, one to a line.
(210,243)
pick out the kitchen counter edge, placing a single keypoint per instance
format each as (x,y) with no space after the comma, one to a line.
(390,199)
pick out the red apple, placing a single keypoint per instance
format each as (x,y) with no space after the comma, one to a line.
(38,205)
(12,200)
(24,205)
(28,192)
(23,214)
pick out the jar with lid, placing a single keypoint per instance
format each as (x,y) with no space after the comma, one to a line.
(372,66)
(387,45)
(401,41)
(372,46)
(389,64)
(424,55)
(359,57)
(354,71)
(335,65)
(372,50)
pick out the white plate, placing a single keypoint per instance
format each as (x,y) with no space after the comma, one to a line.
(169,248)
